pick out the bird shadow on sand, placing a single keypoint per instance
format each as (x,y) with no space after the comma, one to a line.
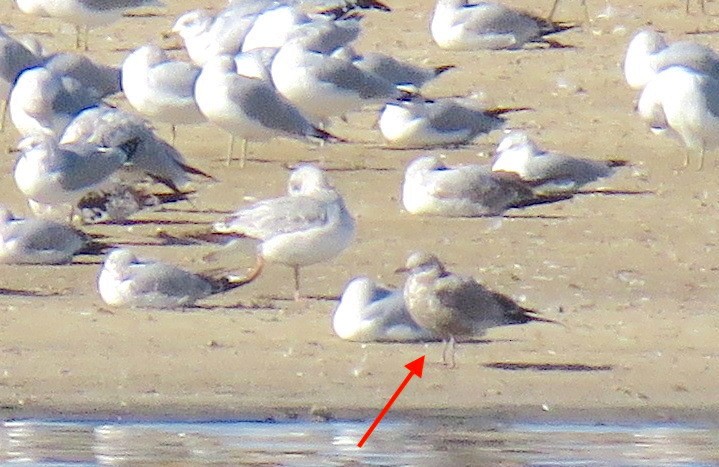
(567,367)
(28,293)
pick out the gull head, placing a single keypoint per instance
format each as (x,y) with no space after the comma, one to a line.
(307,180)
(193,23)
(150,54)
(118,260)
(427,163)
(36,144)
(638,69)
(513,153)
(421,262)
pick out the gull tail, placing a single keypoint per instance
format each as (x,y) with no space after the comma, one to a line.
(618,163)
(347,9)
(195,171)
(552,27)
(326,136)
(438,70)
(497,111)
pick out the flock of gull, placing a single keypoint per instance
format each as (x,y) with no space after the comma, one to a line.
(263,69)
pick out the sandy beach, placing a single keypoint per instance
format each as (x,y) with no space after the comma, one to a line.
(631,274)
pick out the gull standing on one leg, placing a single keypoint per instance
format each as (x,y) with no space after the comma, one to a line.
(309,226)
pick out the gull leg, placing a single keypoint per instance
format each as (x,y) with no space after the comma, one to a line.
(231,149)
(259,267)
(452,345)
(87,38)
(445,346)
(586,12)
(701,158)
(297,282)
(243,157)
(173,133)
(77,37)
(3,115)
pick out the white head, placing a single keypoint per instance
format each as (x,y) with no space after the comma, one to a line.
(513,153)
(308,180)
(118,261)
(149,54)
(193,23)
(426,163)
(638,70)
(222,64)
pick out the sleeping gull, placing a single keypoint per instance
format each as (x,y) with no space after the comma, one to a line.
(432,188)
(100,80)
(43,102)
(249,108)
(128,281)
(548,172)
(52,174)
(684,104)
(454,306)
(37,241)
(308,226)
(369,312)
(161,89)
(420,123)
(648,53)
(457,25)
(110,127)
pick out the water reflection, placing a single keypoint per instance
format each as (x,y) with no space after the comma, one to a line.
(394,443)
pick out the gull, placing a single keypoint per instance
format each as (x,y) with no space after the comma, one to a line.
(37,241)
(206,36)
(454,306)
(369,312)
(43,102)
(84,14)
(51,174)
(432,188)
(110,127)
(249,108)
(15,57)
(308,226)
(125,280)
(420,123)
(457,25)
(684,104)
(390,68)
(548,172)
(648,53)
(100,80)
(161,89)
(322,86)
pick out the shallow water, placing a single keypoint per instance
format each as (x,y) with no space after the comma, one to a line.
(334,443)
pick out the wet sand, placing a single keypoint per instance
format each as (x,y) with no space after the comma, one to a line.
(632,277)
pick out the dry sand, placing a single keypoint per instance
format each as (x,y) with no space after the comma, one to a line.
(633,278)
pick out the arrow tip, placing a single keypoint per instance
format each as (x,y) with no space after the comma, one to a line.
(416,366)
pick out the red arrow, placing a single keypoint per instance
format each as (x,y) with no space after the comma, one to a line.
(415,368)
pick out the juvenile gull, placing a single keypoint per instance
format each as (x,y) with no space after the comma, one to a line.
(454,306)
(51,173)
(548,172)
(161,89)
(308,226)
(684,104)
(420,123)
(432,188)
(128,281)
(43,102)
(369,312)
(458,25)
(36,241)
(249,108)
(648,53)
(110,127)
